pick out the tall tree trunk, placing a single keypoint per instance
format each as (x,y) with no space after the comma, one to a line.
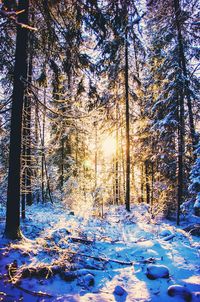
(23,176)
(96,154)
(152,183)
(43,147)
(153,143)
(84,170)
(142,183)
(28,134)
(147,182)
(27,174)
(36,139)
(77,155)
(24,159)
(62,163)
(12,229)
(123,165)
(181,151)
(127,125)
(181,113)
(117,157)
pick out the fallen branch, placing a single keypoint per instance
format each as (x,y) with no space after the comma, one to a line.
(4,295)
(81,240)
(101,258)
(193,229)
(33,293)
(148,260)
(92,257)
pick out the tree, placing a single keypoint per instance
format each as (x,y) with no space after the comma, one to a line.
(12,229)
(180,18)
(26,139)
(127,124)
(171,95)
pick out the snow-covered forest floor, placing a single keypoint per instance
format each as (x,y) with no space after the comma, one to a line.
(123,257)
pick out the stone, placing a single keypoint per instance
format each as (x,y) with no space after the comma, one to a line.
(68,276)
(165,233)
(119,290)
(157,271)
(180,291)
(88,280)
(196,296)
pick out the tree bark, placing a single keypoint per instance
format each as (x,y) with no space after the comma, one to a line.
(12,229)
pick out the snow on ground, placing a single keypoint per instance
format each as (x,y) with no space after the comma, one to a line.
(123,257)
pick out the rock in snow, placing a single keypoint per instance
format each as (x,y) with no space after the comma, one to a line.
(165,233)
(68,276)
(157,271)
(88,280)
(196,296)
(181,291)
(119,290)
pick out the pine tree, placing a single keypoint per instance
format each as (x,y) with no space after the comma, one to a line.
(12,229)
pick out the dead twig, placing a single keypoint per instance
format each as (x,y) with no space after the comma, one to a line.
(33,293)
(12,269)
(92,257)
(81,240)
(12,15)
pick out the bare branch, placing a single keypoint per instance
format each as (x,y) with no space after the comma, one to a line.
(12,15)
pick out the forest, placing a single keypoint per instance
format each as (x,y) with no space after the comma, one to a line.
(99,150)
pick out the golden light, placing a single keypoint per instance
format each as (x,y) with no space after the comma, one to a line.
(87,164)
(109,146)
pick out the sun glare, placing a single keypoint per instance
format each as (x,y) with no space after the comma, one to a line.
(109,146)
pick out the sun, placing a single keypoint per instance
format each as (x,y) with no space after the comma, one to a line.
(109,146)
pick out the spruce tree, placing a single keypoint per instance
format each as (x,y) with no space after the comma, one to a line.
(12,229)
